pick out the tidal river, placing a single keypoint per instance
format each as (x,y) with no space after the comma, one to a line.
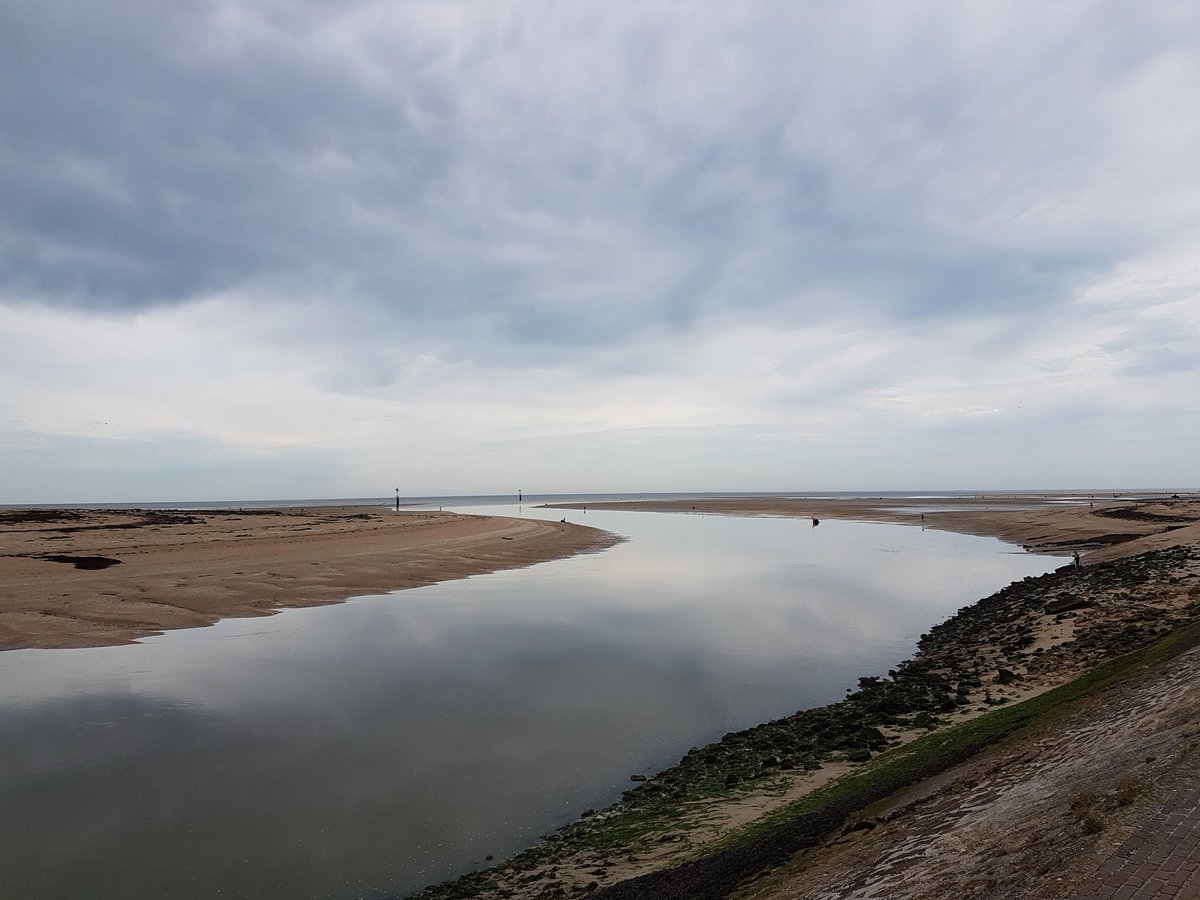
(369,748)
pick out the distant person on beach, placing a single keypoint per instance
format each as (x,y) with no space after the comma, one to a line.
(1077,563)
(816,521)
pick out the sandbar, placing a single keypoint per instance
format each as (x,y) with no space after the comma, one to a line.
(86,578)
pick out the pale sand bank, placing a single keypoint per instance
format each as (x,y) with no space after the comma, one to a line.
(183,569)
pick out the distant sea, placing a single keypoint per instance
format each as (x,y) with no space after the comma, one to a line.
(459,500)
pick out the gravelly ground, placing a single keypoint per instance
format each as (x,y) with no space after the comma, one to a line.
(1101,803)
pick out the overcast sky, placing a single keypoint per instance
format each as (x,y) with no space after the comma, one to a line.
(306,248)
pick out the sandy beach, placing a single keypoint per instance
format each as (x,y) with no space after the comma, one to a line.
(85,578)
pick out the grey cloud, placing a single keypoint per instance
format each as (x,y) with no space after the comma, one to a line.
(61,468)
(784,159)
(156,168)
(1150,347)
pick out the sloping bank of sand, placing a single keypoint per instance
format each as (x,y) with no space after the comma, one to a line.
(85,578)
(716,821)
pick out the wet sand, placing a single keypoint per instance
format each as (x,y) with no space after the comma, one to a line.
(86,578)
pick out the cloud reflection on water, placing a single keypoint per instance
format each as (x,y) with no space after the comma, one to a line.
(395,740)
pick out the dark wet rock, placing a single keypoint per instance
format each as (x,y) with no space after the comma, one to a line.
(1066,604)
(869,736)
(24,516)
(867,824)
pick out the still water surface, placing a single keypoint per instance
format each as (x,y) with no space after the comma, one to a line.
(369,748)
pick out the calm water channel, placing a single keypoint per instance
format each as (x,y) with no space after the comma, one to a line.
(369,748)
